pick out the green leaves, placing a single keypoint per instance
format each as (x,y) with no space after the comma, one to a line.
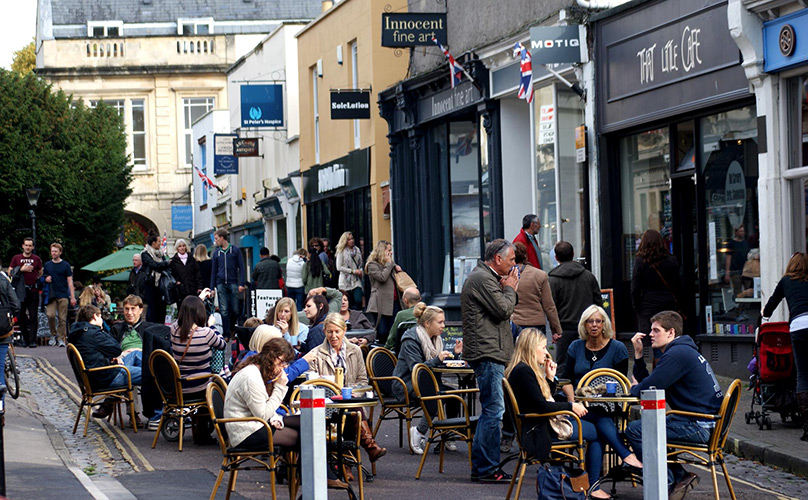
(76,155)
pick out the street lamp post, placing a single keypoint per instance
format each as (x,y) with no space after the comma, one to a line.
(33,198)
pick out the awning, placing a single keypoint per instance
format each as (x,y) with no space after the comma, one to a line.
(121,277)
(116,260)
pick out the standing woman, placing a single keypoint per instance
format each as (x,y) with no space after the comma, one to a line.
(185,270)
(793,286)
(313,272)
(349,265)
(382,299)
(655,283)
(536,306)
(193,336)
(154,263)
(295,288)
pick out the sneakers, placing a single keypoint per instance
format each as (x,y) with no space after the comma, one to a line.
(450,445)
(495,476)
(61,343)
(417,440)
(505,443)
(154,422)
(52,342)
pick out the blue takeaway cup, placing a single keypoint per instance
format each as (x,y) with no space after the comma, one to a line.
(611,388)
(347,393)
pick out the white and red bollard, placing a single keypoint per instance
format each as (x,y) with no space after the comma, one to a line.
(312,444)
(654,445)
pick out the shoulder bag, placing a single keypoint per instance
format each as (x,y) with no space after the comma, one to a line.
(403,281)
(675,299)
(556,482)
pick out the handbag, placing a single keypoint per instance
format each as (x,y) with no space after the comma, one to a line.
(561,426)
(403,281)
(555,482)
(168,287)
(675,299)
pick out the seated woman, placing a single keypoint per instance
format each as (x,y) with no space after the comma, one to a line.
(531,374)
(423,344)
(193,336)
(257,390)
(355,320)
(335,352)
(284,317)
(316,310)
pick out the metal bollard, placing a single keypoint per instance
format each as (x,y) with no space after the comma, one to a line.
(2,444)
(312,444)
(654,445)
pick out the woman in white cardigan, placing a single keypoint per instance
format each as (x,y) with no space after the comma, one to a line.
(257,390)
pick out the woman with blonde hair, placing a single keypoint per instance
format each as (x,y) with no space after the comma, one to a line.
(383,297)
(284,317)
(185,270)
(349,265)
(87,296)
(423,344)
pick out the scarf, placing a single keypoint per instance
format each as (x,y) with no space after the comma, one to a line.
(338,357)
(157,255)
(430,345)
(183,257)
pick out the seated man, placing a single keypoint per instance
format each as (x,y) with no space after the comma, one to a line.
(97,349)
(410,297)
(689,385)
(129,335)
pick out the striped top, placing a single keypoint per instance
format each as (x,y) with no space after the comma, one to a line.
(197,359)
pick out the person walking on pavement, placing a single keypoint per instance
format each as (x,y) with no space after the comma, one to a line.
(137,278)
(487,302)
(655,283)
(349,265)
(227,279)
(295,288)
(267,273)
(527,236)
(793,286)
(31,268)
(574,289)
(185,270)
(154,264)
(59,276)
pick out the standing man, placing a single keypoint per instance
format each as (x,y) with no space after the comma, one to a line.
(689,385)
(574,289)
(137,278)
(267,273)
(31,269)
(487,302)
(227,278)
(527,236)
(59,276)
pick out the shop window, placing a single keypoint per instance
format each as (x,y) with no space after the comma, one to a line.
(465,199)
(203,160)
(281,237)
(645,175)
(570,177)
(545,112)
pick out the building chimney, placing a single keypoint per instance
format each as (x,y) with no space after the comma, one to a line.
(327,4)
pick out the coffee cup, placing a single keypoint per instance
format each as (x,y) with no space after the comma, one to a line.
(347,393)
(611,388)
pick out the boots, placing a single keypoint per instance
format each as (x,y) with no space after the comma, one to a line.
(802,403)
(370,445)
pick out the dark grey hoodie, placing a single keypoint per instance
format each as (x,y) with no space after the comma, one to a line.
(574,289)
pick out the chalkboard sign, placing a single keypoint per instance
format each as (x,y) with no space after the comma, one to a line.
(607,299)
(453,331)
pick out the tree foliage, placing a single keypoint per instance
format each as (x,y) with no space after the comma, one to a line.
(76,155)
(24,60)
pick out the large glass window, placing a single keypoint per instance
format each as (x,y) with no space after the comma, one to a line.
(192,109)
(571,177)
(464,176)
(545,113)
(139,133)
(203,160)
(645,175)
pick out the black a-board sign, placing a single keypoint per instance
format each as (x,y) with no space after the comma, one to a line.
(350,104)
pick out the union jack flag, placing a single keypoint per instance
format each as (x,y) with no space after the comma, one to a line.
(455,69)
(207,183)
(526,71)
(164,243)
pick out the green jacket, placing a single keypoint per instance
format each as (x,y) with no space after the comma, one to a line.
(486,309)
(403,316)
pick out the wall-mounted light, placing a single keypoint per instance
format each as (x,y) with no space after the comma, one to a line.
(320,68)
(339,54)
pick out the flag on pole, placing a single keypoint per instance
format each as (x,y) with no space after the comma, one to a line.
(164,244)
(455,70)
(526,72)
(207,183)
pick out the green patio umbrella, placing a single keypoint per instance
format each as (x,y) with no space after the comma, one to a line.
(116,260)
(121,277)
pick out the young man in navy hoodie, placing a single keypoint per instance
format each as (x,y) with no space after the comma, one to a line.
(689,385)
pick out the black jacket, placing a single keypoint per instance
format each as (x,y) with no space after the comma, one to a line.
(796,294)
(119,329)
(149,265)
(649,293)
(267,275)
(8,298)
(137,282)
(574,289)
(410,354)
(188,277)
(97,348)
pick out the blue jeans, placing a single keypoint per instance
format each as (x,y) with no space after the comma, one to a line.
(607,431)
(298,294)
(3,351)
(678,428)
(228,305)
(594,450)
(485,449)
(134,362)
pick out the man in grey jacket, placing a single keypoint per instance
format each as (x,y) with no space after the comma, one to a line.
(487,302)
(574,289)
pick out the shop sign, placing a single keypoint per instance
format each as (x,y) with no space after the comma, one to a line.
(408,30)
(264,300)
(735,194)
(289,189)
(558,44)
(182,218)
(224,158)
(547,124)
(785,42)
(350,105)
(245,147)
(336,177)
(262,105)
(271,208)
(448,101)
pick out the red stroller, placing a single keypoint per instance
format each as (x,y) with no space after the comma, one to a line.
(772,379)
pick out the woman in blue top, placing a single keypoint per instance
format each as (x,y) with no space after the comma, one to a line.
(597,349)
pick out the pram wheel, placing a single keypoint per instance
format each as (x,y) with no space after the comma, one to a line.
(171,429)
(748,417)
(765,422)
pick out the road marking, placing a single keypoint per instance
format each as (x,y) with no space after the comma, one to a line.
(718,471)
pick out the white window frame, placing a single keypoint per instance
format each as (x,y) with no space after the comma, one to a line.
(315,107)
(125,108)
(91,25)
(195,22)
(144,133)
(355,82)
(188,132)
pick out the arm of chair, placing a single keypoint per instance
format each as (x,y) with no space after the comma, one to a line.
(250,419)
(112,367)
(567,413)
(703,416)
(392,379)
(461,391)
(448,397)
(193,378)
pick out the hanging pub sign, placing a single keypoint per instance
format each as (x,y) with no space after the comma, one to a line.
(224,161)
(408,30)
(262,105)
(245,147)
(350,104)
(558,44)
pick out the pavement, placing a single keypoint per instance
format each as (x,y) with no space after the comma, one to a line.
(45,460)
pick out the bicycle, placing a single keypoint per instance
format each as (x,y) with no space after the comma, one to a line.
(11,370)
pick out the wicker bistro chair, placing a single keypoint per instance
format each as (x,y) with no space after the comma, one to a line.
(441,427)
(93,397)
(176,408)
(571,450)
(236,459)
(380,365)
(712,452)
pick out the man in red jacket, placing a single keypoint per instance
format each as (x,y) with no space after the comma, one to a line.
(527,236)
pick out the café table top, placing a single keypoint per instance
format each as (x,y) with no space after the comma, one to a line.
(608,399)
(457,370)
(347,404)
